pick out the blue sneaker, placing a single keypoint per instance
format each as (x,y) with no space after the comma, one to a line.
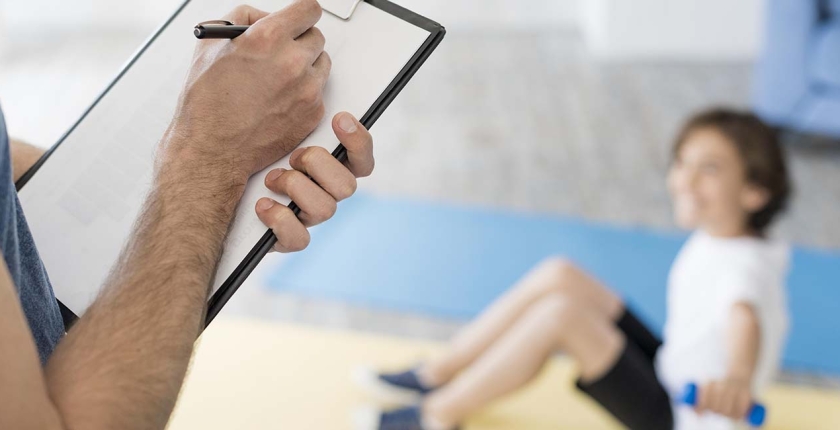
(392,389)
(401,419)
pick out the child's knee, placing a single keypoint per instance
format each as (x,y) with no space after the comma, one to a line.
(556,312)
(562,275)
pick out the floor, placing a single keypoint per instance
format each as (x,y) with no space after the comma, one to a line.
(520,119)
(566,134)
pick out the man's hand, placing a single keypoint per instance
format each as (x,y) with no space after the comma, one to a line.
(246,104)
(250,101)
(317,183)
(731,398)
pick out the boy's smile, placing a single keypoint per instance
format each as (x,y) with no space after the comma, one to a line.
(709,187)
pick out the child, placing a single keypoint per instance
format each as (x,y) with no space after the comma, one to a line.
(727,313)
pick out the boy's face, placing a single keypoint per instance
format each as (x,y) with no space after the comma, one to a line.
(709,188)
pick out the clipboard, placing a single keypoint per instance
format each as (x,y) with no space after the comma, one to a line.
(343,9)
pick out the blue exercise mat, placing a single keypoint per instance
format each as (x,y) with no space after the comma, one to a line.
(452,262)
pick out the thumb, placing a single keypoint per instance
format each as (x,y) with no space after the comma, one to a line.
(357,141)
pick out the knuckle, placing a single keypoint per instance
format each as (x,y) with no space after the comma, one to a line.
(274,184)
(326,211)
(311,6)
(319,35)
(241,11)
(348,189)
(280,215)
(312,95)
(365,142)
(327,60)
(262,36)
(285,182)
(310,156)
(303,240)
(366,170)
(294,159)
(291,180)
(320,111)
(294,241)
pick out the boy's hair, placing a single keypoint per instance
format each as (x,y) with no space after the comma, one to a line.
(761,153)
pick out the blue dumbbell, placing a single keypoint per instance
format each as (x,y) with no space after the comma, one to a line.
(755,417)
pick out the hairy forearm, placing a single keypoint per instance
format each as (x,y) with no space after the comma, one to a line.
(24,156)
(744,342)
(122,364)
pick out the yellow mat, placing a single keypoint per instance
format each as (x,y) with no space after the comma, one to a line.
(256,375)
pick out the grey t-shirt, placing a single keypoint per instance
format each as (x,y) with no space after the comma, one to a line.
(25,266)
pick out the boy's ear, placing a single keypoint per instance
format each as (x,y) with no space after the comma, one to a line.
(754,198)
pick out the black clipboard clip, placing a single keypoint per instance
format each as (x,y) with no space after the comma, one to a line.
(221,29)
(343,9)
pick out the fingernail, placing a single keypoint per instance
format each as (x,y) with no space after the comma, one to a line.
(265,204)
(274,174)
(347,123)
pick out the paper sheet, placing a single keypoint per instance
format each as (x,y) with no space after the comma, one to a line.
(82,203)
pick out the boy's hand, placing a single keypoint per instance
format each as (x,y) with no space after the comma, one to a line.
(728,397)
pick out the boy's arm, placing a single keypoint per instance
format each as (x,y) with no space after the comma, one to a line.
(744,342)
(732,396)
(24,156)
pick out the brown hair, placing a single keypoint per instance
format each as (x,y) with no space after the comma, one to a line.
(760,150)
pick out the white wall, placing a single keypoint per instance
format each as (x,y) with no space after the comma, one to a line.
(471,14)
(459,14)
(21,15)
(694,30)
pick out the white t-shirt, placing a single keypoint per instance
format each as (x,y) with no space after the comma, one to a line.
(708,277)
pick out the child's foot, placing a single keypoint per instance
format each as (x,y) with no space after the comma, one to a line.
(393,389)
(409,418)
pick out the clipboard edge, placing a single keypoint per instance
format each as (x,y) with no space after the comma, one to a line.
(262,247)
(38,164)
(67,315)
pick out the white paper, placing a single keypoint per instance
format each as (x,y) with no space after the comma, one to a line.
(82,203)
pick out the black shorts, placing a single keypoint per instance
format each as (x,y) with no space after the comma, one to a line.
(630,391)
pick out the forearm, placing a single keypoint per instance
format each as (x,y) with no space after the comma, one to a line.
(744,343)
(24,156)
(122,365)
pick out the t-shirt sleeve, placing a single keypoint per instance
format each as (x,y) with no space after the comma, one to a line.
(746,286)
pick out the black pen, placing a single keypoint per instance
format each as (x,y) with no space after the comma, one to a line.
(218,30)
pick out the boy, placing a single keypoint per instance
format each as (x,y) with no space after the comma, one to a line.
(727,313)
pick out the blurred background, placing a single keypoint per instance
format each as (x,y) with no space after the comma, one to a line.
(601,86)
(529,112)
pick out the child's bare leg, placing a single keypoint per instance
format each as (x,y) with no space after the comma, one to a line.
(551,277)
(555,323)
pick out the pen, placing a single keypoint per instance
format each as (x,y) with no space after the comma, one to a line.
(218,30)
